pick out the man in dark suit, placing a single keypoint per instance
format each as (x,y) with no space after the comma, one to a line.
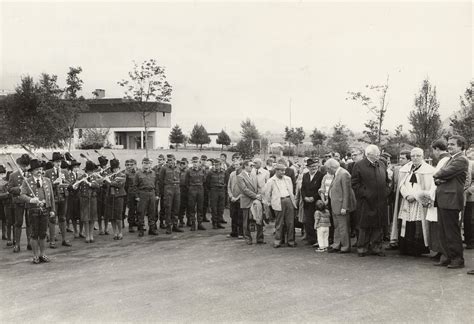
(450,181)
(309,192)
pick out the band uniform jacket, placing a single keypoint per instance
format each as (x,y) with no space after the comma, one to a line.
(14,186)
(31,191)
(450,190)
(60,190)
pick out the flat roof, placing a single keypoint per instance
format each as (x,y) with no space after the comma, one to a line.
(122,105)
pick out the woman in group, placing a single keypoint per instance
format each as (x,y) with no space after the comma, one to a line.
(413,192)
(115,184)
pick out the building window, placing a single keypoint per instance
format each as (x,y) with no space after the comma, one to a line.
(80,133)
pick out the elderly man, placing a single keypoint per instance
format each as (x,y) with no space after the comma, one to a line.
(262,175)
(248,186)
(311,182)
(370,184)
(450,181)
(342,201)
(279,195)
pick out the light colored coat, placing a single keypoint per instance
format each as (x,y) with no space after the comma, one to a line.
(341,193)
(272,194)
(248,188)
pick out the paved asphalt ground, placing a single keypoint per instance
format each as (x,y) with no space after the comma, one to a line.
(206,277)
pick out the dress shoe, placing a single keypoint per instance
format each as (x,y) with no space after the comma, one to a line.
(261,242)
(469,246)
(52,245)
(456,264)
(332,250)
(16,249)
(82,235)
(380,254)
(222,221)
(69,230)
(436,257)
(152,232)
(219,226)
(9,243)
(276,246)
(442,263)
(205,220)
(66,243)
(470,272)
(177,229)
(28,247)
(343,252)
(392,246)
(201,227)
(292,245)
(168,230)
(162,225)
(249,242)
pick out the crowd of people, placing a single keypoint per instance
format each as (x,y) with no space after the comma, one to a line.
(338,203)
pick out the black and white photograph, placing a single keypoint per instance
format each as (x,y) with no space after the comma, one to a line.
(239,161)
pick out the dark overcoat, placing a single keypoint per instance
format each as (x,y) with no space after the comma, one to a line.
(371,187)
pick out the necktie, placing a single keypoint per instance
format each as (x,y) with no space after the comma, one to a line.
(38,184)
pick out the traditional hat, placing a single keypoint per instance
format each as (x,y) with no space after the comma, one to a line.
(161,156)
(64,164)
(35,164)
(103,161)
(146,160)
(23,160)
(195,158)
(47,165)
(133,161)
(68,156)
(57,156)
(311,161)
(90,166)
(203,157)
(184,160)
(74,163)
(217,161)
(114,164)
(169,156)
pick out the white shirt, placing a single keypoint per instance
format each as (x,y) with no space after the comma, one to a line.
(262,178)
(40,181)
(281,184)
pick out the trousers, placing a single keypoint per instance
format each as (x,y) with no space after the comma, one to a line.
(370,239)
(323,237)
(146,206)
(171,196)
(236,219)
(216,199)
(285,218)
(195,203)
(246,227)
(450,234)
(342,240)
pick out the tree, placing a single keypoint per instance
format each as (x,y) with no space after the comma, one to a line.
(199,136)
(146,83)
(424,119)
(317,138)
(294,136)
(397,142)
(223,139)
(36,115)
(463,122)
(339,140)
(176,136)
(374,126)
(74,104)
(250,143)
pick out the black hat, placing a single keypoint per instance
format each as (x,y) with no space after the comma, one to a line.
(103,161)
(47,165)
(2,169)
(311,161)
(68,156)
(169,156)
(161,156)
(74,163)
(23,160)
(195,158)
(203,157)
(147,160)
(184,160)
(114,164)
(64,164)
(35,164)
(90,166)
(57,156)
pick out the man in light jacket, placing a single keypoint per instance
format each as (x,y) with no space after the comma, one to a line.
(279,195)
(248,185)
(342,201)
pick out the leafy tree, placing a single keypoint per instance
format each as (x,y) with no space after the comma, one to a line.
(74,104)
(397,142)
(424,118)
(463,122)
(375,130)
(199,136)
(146,83)
(36,115)
(317,138)
(176,136)
(295,136)
(223,139)
(250,144)
(94,138)
(339,140)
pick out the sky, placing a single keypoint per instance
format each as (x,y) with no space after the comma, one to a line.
(236,60)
